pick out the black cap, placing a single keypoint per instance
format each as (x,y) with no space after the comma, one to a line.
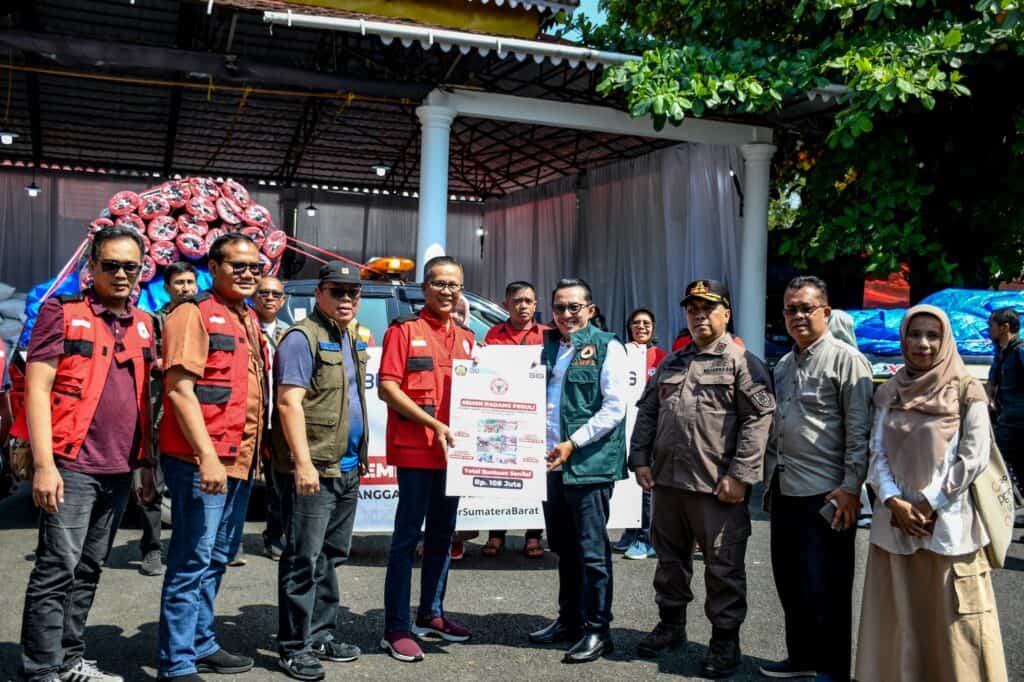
(708,290)
(337,272)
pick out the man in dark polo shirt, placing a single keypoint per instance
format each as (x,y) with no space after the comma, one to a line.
(83,466)
(319,453)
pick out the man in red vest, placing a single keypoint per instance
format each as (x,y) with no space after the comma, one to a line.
(215,361)
(87,419)
(521,329)
(415,381)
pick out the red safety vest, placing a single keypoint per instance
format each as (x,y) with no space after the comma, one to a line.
(223,388)
(503,335)
(16,372)
(89,348)
(654,357)
(427,367)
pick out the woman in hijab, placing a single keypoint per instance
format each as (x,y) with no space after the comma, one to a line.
(929,612)
(841,326)
(635,543)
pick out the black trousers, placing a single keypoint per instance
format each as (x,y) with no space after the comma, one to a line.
(1011,444)
(813,567)
(149,518)
(318,536)
(576,517)
(73,545)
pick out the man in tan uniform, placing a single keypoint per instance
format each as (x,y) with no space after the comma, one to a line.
(701,430)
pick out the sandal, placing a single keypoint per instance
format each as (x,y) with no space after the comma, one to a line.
(533,549)
(493,548)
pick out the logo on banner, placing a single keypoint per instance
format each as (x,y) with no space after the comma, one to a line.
(460,371)
(499,386)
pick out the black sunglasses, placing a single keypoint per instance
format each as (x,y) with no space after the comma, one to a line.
(111,267)
(341,292)
(238,267)
(267,293)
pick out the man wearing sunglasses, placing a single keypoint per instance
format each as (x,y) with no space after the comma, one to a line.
(319,453)
(87,418)
(587,455)
(415,381)
(215,362)
(267,303)
(701,430)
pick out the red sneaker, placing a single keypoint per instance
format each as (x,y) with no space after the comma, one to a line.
(458,550)
(401,646)
(439,626)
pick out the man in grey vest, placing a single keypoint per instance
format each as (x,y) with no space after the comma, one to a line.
(701,430)
(319,452)
(586,442)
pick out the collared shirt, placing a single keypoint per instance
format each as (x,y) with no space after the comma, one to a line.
(504,335)
(706,413)
(958,527)
(613,388)
(186,344)
(114,434)
(820,433)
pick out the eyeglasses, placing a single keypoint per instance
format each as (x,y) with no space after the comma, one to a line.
(238,267)
(339,293)
(806,310)
(571,308)
(111,267)
(440,285)
(641,323)
(268,293)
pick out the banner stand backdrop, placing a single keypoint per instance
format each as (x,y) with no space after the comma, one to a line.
(378,495)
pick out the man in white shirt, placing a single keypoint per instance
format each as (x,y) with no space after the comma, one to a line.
(586,442)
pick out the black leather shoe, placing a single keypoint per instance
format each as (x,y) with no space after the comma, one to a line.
(555,632)
(592,646)
(224,663)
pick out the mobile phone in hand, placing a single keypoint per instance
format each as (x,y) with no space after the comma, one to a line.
(828,512)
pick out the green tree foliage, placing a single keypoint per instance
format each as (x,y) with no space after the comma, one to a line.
(923,161)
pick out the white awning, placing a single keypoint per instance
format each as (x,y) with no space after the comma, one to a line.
(447,40)
(539,5)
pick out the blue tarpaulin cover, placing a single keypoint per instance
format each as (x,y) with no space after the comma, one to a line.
(878,331)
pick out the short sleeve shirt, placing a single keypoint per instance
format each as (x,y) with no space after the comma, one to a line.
(186,344)
(294,367)
(115,433)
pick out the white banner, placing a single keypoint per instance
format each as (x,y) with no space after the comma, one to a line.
(378,495)
(498,423)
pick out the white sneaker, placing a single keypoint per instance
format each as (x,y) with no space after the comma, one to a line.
(86,671)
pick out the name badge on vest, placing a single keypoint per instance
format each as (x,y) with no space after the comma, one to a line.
(361,345)
(330,345)
(585,358)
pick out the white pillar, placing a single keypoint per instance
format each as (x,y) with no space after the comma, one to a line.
(753,277)
(436,124)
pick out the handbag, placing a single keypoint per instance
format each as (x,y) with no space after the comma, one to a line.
(992,493)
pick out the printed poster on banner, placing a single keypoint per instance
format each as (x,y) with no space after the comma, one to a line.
(378,490)
(627,498)
(498,423)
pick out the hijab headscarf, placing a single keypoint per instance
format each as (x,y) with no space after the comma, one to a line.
(924,405)
(840,325)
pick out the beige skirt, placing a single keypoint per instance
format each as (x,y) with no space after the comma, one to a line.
(928,617)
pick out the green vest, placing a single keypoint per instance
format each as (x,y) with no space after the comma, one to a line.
(603,461)
(326,403)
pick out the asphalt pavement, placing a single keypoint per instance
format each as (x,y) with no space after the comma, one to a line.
(500,600)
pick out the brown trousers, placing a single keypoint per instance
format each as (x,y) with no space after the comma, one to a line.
(679,519)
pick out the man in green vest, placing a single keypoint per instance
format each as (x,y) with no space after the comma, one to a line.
(319,452)
(585,438)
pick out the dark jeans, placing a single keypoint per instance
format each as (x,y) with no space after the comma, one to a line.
(207,531)
(813,567)
(577,517)
(73,545)
(275,529)
(1011,444)
(150,519)
(317,541)
(420,497)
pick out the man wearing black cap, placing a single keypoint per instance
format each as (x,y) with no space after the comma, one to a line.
(701,430)
(319,451)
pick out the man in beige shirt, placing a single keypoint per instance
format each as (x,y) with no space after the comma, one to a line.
(816,461)
(701,429)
